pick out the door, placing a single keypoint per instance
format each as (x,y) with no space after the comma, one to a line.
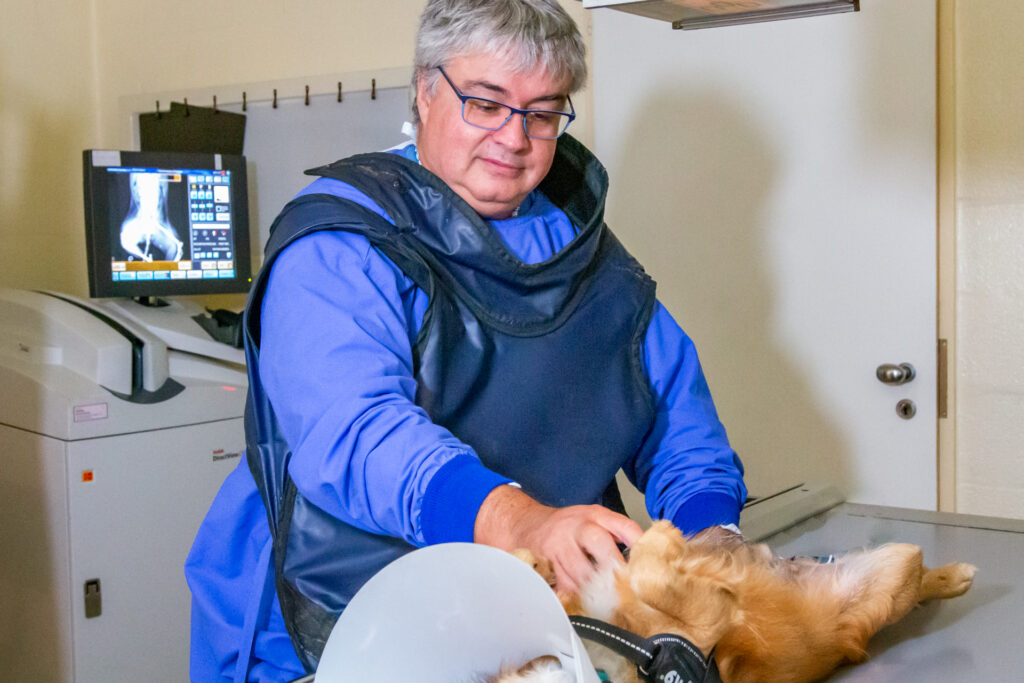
(778,180)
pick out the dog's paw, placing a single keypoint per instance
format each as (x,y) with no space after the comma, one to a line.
(546,669)
(662,540)
(541,565)
(949,581)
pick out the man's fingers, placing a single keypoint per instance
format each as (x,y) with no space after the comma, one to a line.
(597,542)
(599,538)
(625,530)
(591,546)
(564,581)
(573,539)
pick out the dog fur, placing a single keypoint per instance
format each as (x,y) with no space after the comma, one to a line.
(767,618)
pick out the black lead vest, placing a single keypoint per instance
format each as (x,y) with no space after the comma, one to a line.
(538,367)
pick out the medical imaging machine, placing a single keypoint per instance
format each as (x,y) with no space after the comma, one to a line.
(120,416)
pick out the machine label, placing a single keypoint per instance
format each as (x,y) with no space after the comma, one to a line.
(219,454)
(90,412)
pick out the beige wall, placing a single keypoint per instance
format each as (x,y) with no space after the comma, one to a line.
(65,67)
(47,116)
(989,211)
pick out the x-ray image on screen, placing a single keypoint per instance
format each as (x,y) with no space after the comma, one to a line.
(165,224)
(148,231)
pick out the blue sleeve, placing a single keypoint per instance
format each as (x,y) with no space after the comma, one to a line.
(688,472)
(336,362)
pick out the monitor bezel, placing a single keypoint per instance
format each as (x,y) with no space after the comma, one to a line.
(97,223)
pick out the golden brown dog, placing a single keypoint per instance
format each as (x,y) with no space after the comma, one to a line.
(767,618)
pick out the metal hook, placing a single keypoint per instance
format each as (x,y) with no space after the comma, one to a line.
(243,101)
(373,88)
(307,95)
(339,91)
(186,106)
(275,98)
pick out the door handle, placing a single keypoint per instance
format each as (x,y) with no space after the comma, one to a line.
(890,373)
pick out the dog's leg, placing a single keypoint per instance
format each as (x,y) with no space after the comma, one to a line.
(571,602)
(541,565)
(897,582)
(545,669)
(949,581)
(881,585)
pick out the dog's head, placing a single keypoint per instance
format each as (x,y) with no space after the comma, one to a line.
(672,585)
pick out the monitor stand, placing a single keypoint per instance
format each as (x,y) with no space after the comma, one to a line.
(171,320)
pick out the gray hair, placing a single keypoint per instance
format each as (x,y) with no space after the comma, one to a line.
(528,33)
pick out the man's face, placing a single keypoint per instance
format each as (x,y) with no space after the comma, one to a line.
(493,170)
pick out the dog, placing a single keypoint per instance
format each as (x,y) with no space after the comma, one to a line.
(765,618)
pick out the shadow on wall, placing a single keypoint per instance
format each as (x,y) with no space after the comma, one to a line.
(41,215)
(697,226)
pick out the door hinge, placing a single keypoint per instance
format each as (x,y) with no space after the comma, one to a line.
(942,378)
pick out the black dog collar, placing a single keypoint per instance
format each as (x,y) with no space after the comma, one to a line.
(663,658)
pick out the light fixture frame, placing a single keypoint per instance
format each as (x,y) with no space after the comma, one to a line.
(687,18)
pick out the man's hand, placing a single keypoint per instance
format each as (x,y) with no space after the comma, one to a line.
(575,539)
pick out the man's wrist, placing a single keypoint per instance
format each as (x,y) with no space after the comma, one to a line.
(503,515)
(707,509)
(453,498)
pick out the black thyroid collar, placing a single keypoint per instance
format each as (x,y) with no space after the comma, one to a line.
(662,658)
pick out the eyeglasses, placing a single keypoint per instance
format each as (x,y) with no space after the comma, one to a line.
(490,115)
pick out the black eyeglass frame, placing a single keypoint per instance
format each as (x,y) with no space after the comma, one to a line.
(571,114)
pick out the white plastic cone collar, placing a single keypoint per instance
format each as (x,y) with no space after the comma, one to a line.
(448,613)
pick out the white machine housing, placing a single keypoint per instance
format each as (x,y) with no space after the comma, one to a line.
(112,447)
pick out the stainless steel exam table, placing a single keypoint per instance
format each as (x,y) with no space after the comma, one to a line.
(976,637)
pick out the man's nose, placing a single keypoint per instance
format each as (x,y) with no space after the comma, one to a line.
(513,133)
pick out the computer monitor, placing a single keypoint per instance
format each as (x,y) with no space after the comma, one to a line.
(165,224)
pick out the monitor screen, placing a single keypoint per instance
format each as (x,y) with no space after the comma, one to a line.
(166,224)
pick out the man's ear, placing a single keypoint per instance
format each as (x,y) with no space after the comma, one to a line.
(422,98)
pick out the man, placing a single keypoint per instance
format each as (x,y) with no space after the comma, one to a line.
(447,344)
